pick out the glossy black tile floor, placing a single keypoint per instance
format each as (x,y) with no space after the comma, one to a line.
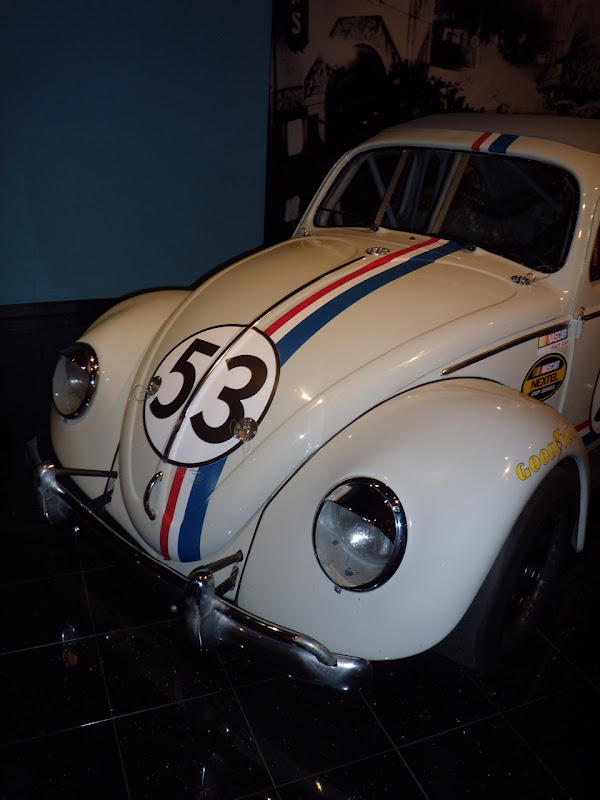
(102,697)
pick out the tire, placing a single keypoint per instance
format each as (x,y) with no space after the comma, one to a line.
(516,590)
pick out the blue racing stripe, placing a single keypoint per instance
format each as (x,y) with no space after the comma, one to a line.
(293,340)
(502,143)
(589,438)
(208,475)
(188,545)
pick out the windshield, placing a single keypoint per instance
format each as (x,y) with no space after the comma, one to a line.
(516,207)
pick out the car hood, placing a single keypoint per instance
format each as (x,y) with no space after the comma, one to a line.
(272,357)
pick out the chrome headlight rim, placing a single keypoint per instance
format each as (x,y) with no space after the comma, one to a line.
(396,532)
(79,358)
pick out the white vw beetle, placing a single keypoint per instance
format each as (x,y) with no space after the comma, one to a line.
(371,439)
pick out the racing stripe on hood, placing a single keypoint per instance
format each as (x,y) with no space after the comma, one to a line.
(310,316)
(182,521)
(192,488)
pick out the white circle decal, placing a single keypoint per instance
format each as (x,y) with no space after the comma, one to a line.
(207,384)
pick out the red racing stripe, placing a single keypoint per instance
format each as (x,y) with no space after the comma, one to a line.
(270,330)
(169,511)
(478,142)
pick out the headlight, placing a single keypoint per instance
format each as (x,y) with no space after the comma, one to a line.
(74,381)
(360,534)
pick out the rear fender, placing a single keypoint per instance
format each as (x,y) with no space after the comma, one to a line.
(463,456)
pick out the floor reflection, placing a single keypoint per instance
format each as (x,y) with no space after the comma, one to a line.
(103,696)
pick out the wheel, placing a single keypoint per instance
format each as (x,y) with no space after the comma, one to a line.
(515,592)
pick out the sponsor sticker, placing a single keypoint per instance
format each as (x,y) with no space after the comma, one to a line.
(551,452)
(545,377)
(554,340)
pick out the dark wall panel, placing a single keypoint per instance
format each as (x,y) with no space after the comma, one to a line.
(132,142)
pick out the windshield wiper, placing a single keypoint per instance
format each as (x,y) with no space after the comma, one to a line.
(465,244)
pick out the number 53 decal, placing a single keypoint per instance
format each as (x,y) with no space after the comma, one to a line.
(201,396)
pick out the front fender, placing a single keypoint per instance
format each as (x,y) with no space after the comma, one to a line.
(463,456)
(119,338)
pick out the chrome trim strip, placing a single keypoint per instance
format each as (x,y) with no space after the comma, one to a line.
(501,348)
(591,315)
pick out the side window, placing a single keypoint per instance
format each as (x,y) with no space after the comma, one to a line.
(595,261)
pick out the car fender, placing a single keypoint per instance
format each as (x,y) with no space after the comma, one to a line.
(463,456)
(119,338)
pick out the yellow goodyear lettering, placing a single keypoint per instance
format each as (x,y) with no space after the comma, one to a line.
(523,472)
(552,451)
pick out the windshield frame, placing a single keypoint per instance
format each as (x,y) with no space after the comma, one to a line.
(553,217)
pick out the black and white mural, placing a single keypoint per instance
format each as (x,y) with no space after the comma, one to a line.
(342,70)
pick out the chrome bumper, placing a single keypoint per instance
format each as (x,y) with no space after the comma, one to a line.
(210,619)
(56,502)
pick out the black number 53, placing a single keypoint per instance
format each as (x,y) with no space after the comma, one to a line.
(218,400)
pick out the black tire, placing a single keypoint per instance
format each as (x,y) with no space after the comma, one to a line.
(516,590)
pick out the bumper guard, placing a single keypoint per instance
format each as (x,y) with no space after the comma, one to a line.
(210,619)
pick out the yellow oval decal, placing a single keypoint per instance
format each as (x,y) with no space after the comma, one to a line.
(545,377)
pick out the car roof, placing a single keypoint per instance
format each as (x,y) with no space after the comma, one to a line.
(575,131)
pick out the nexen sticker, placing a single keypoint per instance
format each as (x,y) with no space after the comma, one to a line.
(545,377)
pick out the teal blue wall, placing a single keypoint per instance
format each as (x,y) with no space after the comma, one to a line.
(132,142)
